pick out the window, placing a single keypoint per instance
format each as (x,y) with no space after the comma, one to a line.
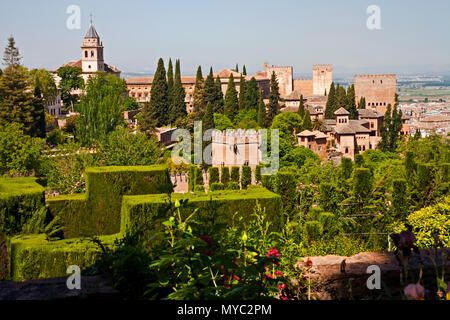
(92,53)
(89,66)
(85,54)
(346,150)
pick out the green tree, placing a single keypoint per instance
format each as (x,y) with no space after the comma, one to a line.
(70,80)
(11,57)
(210,90)
(242,93)
(274,97)
(252,94)
(198,91)
(262,113)
(351,103)
(159,102)
(178,106)
(246,177)
(341,98)
(231,99)
(331,103)
(244,71)
(170,81)
(213,175)
(301,108)
(222,122)
(46,84)
(362,103)
(219,103)
(208,118)
(38,113)
(225,176)
(400,206)
(100,108)
(307,124)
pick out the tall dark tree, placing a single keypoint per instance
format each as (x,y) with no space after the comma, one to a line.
(274,98)
(11,57)
(17,103)
(159,102)
(341,98)
(262,113)
(38,112)
(236,68)
(331,103)
(307,124)
(209,90)
(244,70)
(252,94)
(351,103)
(219,103)
(208,118)
(390,128)
(384,144)
(231,100)
(301,108)
(198,91)
(242,93)
(170,80)
(178,106)
(362,103)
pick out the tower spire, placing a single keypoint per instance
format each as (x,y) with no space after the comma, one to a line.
(91,17)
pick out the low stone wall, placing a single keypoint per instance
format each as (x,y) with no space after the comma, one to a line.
(333,283)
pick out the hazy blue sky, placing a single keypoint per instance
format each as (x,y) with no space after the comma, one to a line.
(414,35)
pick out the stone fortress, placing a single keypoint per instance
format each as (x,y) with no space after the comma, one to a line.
(378,90)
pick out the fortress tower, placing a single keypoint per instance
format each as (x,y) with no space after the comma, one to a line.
(322,78)
(378,90)
(285,76)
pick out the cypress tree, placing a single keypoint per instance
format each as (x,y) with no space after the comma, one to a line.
(209,90)
(219,102)
(262,115)
(231,100)
(274,97)
(159,101)
(236,68)
(362,103)
(208,118)
(331,103)
(244,71)
(242,93)
(251,98)
(301,108)
(198,91)
(351,103)
(170,81)
(38,113)
(225,176)
(384,144)
(307,124)
(341,98)
(178,107)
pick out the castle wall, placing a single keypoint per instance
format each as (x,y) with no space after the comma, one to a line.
(378,89)
(305,86)
(322,78)
(284,76)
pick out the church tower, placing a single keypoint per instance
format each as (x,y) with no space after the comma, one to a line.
(92,52)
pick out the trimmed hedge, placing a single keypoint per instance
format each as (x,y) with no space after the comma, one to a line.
(217,186)
(147,210)
(33,257)
(213,175)
(98,211)
(246,178)
(20,198)
(258,177)
(235,174)
(233,186)
(225,176)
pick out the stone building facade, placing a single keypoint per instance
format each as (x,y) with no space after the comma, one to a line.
(236,148)
(378,90)
(322,78)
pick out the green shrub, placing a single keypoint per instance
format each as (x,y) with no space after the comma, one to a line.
(225,176)
(362,184)
(199,188)
(4,261)
(145,211)
(328,199)
(20,199)
(258,177)
(286,187)
(359,161)
(98,211)
(233,186)
(246,179)
(235,175)
(268,182)
(217,186)
(313,230)
(199,177)
(346,168)
(34,257)
(399,199)
(213,175)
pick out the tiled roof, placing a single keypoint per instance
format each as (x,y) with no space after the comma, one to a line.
(369,113)
(436,118)
(319,134)
(294,95)
(341,112)
(149,80)
(305,133)
(344,130)
(73,64)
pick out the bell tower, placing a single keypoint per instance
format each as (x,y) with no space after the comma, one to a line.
(92,52)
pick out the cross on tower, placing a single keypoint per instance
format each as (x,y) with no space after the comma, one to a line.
(91,17)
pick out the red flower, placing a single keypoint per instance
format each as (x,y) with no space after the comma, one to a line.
(278,273)
(273,253)
(281,286)
(268,275)
(236,277)
(284,298)
(209,252)
(207,239)
(309,263)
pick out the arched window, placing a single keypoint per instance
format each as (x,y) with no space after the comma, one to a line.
(85,54)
